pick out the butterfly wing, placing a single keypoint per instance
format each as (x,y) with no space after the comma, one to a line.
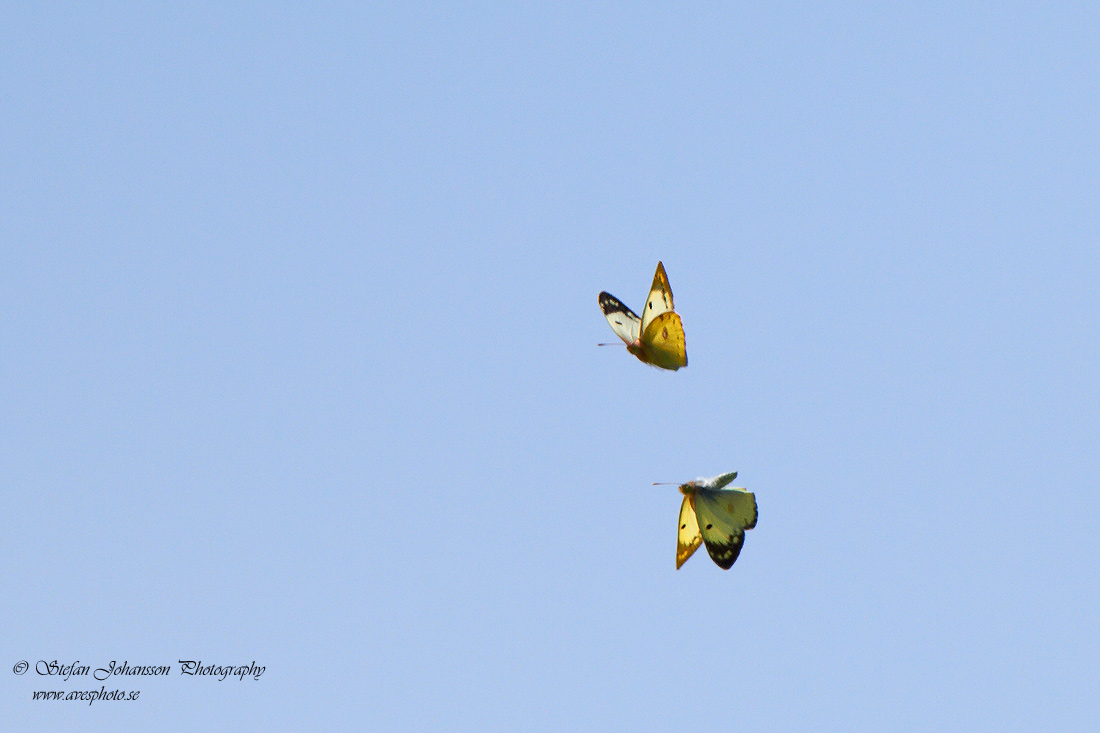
(663,342)
(624,322)
(687,536)
(716,482)
(660,297)
(723,517)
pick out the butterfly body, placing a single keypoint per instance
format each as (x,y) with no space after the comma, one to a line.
(715,516)
(657,337)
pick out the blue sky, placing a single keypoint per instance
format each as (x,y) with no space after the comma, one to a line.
(299,364)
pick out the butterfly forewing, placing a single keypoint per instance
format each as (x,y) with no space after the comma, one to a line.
(687,533)
(624,322)
(660,297)
(723,517)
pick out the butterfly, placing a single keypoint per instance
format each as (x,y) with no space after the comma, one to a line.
(657,337)
(714,516)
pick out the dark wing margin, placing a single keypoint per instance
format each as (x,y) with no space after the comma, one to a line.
(623,321)
(724,550)
(610,305)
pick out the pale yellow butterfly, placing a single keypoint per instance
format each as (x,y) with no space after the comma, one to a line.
(715,516)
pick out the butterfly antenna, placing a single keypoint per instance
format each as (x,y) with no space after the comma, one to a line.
(610,344)
(665,483)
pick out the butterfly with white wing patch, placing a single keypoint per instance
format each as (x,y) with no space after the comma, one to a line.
(657,337)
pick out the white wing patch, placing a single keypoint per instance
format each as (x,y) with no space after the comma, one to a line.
(624,322)
(714,482)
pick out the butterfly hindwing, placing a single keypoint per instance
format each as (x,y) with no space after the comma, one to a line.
(624,322)
(723,516)
(688,538)
(663,342)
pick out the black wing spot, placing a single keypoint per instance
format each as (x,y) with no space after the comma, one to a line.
(709,526)
(683,526)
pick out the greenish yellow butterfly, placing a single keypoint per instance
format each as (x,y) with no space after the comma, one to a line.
(657,337)
(714,516)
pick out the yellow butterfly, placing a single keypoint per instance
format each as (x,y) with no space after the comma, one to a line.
(715,516)
(657,337)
